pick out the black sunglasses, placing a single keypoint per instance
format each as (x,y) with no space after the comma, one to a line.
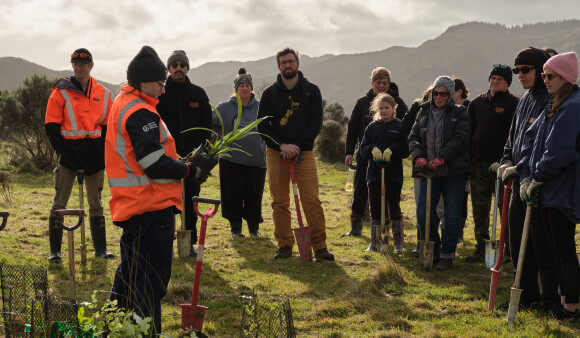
(180,64)
(442,94)
(524,70)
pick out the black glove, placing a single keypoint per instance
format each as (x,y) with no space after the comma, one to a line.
(195,174)
(203,161)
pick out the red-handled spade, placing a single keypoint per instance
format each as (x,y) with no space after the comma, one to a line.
(193,315)
(302,233)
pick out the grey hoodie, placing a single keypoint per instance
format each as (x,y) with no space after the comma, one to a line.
(252,144)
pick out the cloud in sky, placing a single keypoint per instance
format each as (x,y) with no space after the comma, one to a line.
(47,31)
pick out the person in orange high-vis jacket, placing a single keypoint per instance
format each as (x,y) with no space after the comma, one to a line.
(76,125)
(145,175)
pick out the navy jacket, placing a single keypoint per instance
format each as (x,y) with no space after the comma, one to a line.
(384,135)
(555,157)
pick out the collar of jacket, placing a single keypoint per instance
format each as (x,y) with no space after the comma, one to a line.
(497,95)
(234,100)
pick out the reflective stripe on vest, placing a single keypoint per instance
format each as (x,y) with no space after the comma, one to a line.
(131,180)
(75,132)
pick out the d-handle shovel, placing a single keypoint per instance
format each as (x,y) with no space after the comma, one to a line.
(71,242)
(516,292)
(426,247)
(193,315)
(81,180)
(495,269)
(383,230)
(4,215)
(302,233)
(183,235)
(491,251)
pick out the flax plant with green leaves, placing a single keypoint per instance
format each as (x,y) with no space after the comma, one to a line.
(226,143)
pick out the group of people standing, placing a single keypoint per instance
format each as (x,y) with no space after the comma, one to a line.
(148,154)
(533,140)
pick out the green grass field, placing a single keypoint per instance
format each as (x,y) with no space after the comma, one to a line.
(360,295)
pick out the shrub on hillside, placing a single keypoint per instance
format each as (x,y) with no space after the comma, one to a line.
(329,145)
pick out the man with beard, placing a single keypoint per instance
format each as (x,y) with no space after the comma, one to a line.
(294,108)
(184,106)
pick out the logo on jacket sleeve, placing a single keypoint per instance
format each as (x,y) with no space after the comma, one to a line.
(194,104)
(149,126)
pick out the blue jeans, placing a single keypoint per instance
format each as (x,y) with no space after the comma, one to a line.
(451,188)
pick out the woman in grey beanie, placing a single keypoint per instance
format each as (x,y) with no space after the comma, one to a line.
(439,143)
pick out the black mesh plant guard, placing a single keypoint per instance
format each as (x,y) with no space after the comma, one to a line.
(267,318)
(27,309)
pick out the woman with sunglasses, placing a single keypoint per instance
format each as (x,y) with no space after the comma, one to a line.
(551,171)
(439,143)
(144,176)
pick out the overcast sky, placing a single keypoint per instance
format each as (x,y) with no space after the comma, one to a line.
(47,31)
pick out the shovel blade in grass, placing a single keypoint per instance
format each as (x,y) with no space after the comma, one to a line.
(426,254)
(491,253)
(514,305)
(192,317)
(303,240)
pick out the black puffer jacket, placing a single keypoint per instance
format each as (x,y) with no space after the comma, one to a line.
(361,117)
(456,137)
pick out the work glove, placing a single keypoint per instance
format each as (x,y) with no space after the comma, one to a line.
(533,188)
(196,174)
(203,161)
(421,165)
(436,163)
(493,168)
(387,154)
(502,168)
(377,154)
(508,173)
(524,184)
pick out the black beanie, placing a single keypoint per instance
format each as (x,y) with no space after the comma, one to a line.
(81,55)
(146,66)
(502,70)
(526,56)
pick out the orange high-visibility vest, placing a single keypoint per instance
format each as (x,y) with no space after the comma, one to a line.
(79,115)
(132,191)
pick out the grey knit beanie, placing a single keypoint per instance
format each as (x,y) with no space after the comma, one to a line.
(446,82)
(178,55)
(242,77)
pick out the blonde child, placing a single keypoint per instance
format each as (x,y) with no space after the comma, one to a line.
(383,146)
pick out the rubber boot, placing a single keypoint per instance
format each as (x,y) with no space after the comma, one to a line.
(416,250)
(398,235)
(99,236)
(375,245)
(253,229)
(236,227)
(355,226)
(54,239)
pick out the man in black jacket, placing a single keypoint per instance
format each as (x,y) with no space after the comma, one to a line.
(294,108)
(358,122)
(490,113)
(184,106)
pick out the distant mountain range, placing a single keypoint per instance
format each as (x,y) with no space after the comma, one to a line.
(466,50)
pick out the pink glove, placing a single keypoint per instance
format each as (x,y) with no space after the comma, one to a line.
(420,162)
(436,163)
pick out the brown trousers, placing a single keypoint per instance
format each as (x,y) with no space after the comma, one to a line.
(307,181)
(65,179)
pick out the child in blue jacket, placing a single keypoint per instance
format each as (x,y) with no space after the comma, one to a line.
(383,146)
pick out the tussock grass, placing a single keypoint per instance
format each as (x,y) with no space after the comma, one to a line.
(360,295)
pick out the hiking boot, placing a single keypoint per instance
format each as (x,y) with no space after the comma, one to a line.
(375,245)
(444,264)
(323,254)
(355,226)
(283,252)
(478,255)
(253,229)
(565,315)
(398,235)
